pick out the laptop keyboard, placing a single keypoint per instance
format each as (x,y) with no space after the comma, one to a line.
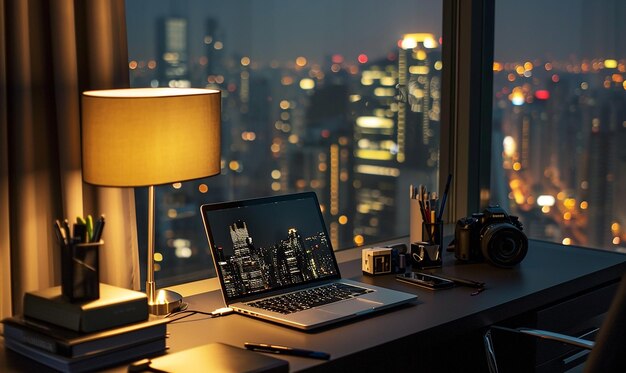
(309,298)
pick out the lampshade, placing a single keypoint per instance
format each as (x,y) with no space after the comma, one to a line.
(150,136)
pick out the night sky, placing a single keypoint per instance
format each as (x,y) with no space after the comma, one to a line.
(267,223)
(284,29)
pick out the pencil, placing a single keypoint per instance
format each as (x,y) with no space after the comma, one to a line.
(433,222)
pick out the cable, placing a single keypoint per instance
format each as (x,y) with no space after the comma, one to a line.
(186,313)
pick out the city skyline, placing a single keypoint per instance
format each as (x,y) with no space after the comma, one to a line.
(338,128)
(289,260)
(267,223)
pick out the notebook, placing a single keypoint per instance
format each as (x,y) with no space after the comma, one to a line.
(213,357)
(275,261)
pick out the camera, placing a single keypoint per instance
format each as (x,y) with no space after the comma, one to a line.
(492,235)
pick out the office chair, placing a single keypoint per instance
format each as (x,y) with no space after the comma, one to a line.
(607,353)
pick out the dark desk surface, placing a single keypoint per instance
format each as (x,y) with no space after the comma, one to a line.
(550,274)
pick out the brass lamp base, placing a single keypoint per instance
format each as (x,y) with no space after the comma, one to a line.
(165,301)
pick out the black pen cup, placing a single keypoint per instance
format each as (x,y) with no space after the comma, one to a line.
(425,255)
(80,274)
(428,253)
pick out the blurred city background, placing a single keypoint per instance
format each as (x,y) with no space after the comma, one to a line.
(311,101)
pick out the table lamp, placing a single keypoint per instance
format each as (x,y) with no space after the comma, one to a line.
(149,136)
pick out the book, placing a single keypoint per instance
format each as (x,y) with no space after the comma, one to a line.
(89,362)
(69,343)
(217,357)
(115,307)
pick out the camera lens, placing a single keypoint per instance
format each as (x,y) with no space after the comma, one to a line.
(503,244)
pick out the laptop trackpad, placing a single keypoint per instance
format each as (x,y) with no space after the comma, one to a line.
(350,307)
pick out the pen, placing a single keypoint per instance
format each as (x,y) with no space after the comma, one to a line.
(461,281)
(263,347)
(68,232)
(80,230)
(60,232)
(89,228)
(80,233)
(445,197)
(98,228)
(434,201)
(422,210)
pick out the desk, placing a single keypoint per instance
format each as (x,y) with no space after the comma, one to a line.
(441,331)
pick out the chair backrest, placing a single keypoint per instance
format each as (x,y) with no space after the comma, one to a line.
(609,352)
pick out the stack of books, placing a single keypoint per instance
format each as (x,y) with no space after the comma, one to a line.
(76,337)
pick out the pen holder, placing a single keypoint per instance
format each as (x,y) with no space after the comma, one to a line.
(427,252)
(80,275)
(415,221)
(425,255)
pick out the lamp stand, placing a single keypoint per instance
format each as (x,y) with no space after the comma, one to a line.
(163,301)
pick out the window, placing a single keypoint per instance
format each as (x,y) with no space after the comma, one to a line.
(310,102)
(559,119)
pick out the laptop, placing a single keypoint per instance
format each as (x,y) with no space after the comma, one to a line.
(275,261)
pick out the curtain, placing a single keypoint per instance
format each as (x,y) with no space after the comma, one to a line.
(50,51)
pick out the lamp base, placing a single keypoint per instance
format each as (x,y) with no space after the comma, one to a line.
(166,301)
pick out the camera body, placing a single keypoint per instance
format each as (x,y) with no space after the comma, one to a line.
(492,235)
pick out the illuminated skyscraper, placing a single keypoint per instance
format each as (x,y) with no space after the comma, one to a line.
(418,67)
(326,160)
(239,236)
(396,135)
(289,261)
(173,69)
(606,172)
(378,151)
(246,261)
(318,245)
(213,49)
(232,281)
(302,255)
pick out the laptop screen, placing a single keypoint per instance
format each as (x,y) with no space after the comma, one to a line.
(268,244)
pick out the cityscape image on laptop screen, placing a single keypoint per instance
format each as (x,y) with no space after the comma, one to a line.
(262,247)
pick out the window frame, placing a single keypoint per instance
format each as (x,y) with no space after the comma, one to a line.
(465,149)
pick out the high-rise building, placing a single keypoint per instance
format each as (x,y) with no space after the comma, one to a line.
(378,150)
(302,255)
(213,52)
(397,118)
(172,47)
(419,63)
(246,260)
(607,159)
(326,153)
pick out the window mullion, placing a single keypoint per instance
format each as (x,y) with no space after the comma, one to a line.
(467,116)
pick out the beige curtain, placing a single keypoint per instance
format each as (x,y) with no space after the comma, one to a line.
(50,51)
